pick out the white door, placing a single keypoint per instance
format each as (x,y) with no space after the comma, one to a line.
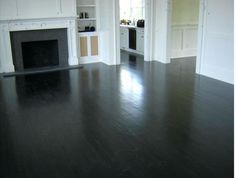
(217,53)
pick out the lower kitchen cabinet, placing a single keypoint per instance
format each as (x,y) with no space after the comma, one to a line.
(124,38)
(138,39)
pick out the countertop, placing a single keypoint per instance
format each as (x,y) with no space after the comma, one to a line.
(130,26)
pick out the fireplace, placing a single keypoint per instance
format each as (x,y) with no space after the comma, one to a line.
(39,49)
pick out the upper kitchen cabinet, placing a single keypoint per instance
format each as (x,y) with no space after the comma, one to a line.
(8,9)
(35,9)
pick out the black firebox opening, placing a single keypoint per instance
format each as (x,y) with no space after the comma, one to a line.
(38,54)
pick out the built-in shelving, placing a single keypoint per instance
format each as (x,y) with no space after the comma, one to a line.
(86,14)
(89,19)
(88,38)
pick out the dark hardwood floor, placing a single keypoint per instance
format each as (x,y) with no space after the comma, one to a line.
(137,120)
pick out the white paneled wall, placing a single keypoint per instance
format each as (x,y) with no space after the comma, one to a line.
(32,9)
(184,41)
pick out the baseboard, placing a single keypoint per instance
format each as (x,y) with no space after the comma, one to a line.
(133,51)
(109,64)
(89,60)
(183,53)
(166,61)
(218,74)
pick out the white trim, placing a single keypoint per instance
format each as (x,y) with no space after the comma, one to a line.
(169,30)
(133,51)
(162,31)
(148,29)
(108,63)
(200,48)
(117,31)
(89,60)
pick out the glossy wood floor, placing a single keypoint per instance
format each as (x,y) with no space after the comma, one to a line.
(137,120)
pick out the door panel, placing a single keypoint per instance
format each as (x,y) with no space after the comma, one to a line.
(94,45)
(83,46)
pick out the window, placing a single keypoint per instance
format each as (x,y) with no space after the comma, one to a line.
(132,9)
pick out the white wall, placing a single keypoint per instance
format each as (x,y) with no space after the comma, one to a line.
(33,9)
(161,19)
(107,30)
(216,58)
(185,12)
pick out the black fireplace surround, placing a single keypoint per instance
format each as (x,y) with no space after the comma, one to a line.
(38,49)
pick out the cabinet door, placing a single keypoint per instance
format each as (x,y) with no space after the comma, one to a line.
(124,38)
(83,46)
(94,45)
(140,41)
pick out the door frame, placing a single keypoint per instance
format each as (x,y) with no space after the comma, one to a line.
(201,32)
(148,43)
(201,24)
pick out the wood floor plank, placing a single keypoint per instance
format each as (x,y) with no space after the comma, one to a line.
(140,119)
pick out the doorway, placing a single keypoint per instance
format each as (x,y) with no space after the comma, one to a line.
(158,30)
(184,28)
(187,22)
(133,27)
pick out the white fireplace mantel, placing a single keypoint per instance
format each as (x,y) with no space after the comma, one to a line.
(6,58)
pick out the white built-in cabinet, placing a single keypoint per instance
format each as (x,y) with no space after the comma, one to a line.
(90,8)
(35,9)
(88,47)
(88,41)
